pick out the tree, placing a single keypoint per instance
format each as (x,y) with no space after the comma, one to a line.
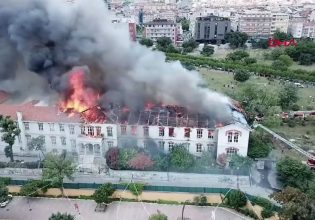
(103,193)
(201,200)
(258,146)
(146,42)
(185,24)
(180,158)
(112,158)
(305,59)
(279,65)
(10,131)
(163,42)
(189,45)
(260,44)
(236,199)
(276,53)
(237,39)
(141,162)
(37,144)
(56,168)
(241,75)
(207,50)
(293,173)
(136,188)
(249,60)
(158,216)
(285,59)
(222,159)
(237,55)
(4,192)
(34,188)
(288,96)
(125,156)
(60,216)
(296,205)
(282,36)
(238,161)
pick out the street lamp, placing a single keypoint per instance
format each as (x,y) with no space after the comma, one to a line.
(184,208)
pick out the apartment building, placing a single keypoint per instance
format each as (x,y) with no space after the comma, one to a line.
(162,127)
(160,28)
(280,21)
(255,23)
(296,25)
(211,28)
(309,30)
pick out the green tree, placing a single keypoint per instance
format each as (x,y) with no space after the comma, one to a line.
(158,216)
(125,156)
(282,36)
(258,146)
(238,161)
(249,60)
(296,205)
(207,50)
(237,55)
(237,39)
(59,216)
(136,188)
(236,199)
(200,200)
(285,59)
(305,59)
(263,44)
(34,188)
(180,158)
(164,42)
(56,168)
(189,45)
(37,144)
(4,192)
(10,131)
(276,53)
(185,24)
(241,75)
(292,52)
(146,42)
(288,96)
(103,193)
(279,65)
(293,173)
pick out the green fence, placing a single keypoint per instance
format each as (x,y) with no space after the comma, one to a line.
(149,188)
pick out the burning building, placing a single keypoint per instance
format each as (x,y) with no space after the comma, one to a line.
(101,89)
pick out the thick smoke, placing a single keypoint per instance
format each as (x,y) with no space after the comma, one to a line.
(50,37)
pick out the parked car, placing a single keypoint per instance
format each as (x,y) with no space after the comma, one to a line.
(5,203)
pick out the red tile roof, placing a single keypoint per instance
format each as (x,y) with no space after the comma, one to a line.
(4,96)
(37,113)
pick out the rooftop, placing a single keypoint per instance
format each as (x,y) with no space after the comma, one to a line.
(160,22)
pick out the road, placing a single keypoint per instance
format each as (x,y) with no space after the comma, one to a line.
(41,209)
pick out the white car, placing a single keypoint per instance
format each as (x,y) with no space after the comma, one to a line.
(5,203)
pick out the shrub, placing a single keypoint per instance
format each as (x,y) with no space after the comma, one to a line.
(158,216)
(286,60)
(276,53)
(241,76)
(249,60)
(265,203)
(236,199)
(248,212)
(201,200)
(291,123)
(207,50)
(136,188)
(5,180)
(267,213)
(295,107)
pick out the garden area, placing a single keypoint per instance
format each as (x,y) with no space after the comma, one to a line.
(178,160)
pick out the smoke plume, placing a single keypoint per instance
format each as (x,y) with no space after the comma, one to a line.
(51,37)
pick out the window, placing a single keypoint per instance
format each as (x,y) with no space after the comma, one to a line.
(230,137)
(170,146)
(40,126)
(98,131)
(91,131)
(82,149)
(210,134)
(198,148)
(187,132)
(161,131)
(236,137)
(53,140)
(51,126)
(83,130)
(186,145)
(199,133)
(109,131)
(161,145)
(73,143)
(28,139)
(231,151)
(97,149)
(145,144)
(123,129)
(61,127)
(110,144)
(71,129)
(171,132)
(134,130)
(63,140)
(146,131)
(210,147)
(27,126)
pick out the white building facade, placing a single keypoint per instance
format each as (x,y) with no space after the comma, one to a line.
(72,134)
(280,21)
(160,28)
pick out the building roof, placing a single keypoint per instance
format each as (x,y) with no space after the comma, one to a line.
(31,112)
(4,96)
(160,22)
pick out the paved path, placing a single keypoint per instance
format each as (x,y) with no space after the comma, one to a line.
(41,209)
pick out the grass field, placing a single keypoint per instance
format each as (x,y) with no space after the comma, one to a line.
(221,53)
